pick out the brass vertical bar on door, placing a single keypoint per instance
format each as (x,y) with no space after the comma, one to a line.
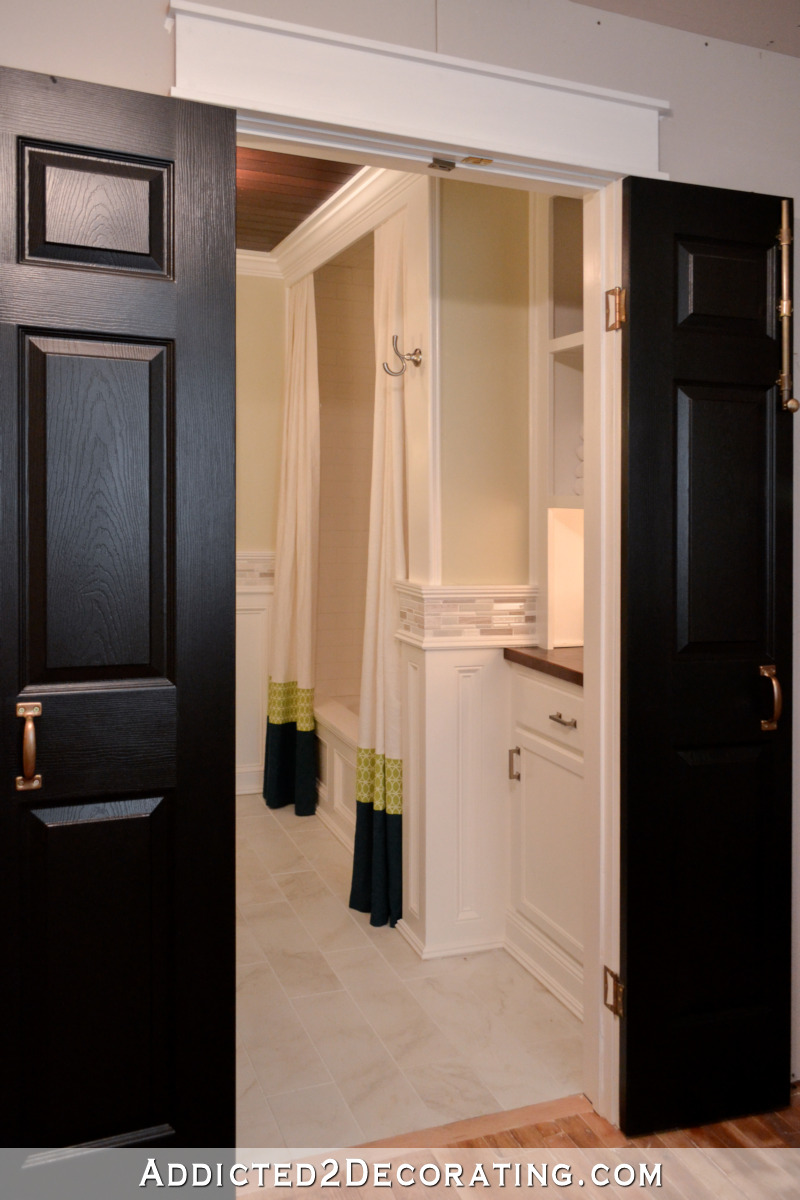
(29,781)
(785,310)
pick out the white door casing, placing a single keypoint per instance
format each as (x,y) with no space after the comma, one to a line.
(299,85)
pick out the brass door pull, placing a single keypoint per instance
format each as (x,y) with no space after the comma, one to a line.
(29,781)
(769,672)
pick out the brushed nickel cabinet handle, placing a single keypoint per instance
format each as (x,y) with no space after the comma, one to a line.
(769,672)
(572,723)
(512,774)
(29,781)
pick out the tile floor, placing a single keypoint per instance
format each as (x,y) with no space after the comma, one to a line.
(344,1034)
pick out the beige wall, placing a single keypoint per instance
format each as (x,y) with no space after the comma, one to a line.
(484,384)
(344,289)
(259,408)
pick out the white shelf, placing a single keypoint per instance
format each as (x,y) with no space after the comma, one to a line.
(570,341)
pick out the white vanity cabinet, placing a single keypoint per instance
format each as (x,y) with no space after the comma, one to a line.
(544,919)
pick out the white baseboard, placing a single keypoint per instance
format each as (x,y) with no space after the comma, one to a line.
(249,780)
(447,950)
(546,961)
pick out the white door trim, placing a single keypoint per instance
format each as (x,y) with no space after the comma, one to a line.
(378,102)
(293,81)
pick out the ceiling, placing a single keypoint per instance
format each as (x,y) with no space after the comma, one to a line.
(765,24)
(276,192)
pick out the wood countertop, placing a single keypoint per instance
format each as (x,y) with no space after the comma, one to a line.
(565,663)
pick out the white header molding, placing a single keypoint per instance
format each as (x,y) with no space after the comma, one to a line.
(315,86)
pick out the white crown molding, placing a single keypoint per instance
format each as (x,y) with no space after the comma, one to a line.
(255,262)
(375,97)
(367,200)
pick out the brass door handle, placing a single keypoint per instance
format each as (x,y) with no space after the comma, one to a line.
(29,781)
(769,672)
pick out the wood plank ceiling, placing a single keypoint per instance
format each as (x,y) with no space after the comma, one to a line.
(276,192)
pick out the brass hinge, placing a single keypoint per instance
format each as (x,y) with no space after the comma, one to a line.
(613,990)
(616,308)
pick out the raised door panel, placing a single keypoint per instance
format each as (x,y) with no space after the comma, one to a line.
(97,1008)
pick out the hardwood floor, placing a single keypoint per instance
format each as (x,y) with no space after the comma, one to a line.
(572,1123)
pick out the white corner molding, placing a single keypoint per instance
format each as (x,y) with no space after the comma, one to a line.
(255,262)
(361,204)
(365,201)
(324,88)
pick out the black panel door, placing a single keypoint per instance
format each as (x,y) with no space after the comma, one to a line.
(706,791)
(116,617)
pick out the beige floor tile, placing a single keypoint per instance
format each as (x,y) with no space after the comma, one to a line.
(339,877)
(258,995)
(250,805)
(562,1058)
(303,972)
(247,948)
(287,1059)
(378,1094)
(536,1090)
(276,927)
(408,1033)
(452,1091)
(257,1128)
(270,844)
(326,918)
(248,1089)
(344,1034)
(254,882)
(316,1116)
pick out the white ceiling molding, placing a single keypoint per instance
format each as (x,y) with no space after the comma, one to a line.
(328,89)
(359,206)
(256,262)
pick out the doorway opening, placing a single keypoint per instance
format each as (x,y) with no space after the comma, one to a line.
(347,1033)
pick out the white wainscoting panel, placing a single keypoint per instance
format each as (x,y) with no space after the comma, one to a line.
(455,814)
(254,590)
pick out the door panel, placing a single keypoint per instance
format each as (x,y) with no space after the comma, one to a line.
(706,797)
(86,997)
(116,616)
(99,463)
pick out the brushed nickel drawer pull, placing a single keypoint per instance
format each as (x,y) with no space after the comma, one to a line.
(29,781)
(572,723)
(769,672)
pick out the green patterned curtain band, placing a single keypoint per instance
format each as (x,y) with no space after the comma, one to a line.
(289,704)
(379,782)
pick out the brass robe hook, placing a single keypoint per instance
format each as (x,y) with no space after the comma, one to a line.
(415,356)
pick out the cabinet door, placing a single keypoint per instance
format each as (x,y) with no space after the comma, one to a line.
(546,919)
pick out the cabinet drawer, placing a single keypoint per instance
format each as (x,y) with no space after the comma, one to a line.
(535,704)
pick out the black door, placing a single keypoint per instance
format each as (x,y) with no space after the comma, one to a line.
(116,616)
(706,791)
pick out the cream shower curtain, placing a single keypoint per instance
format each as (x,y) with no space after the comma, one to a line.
(290,766)
(377,866)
